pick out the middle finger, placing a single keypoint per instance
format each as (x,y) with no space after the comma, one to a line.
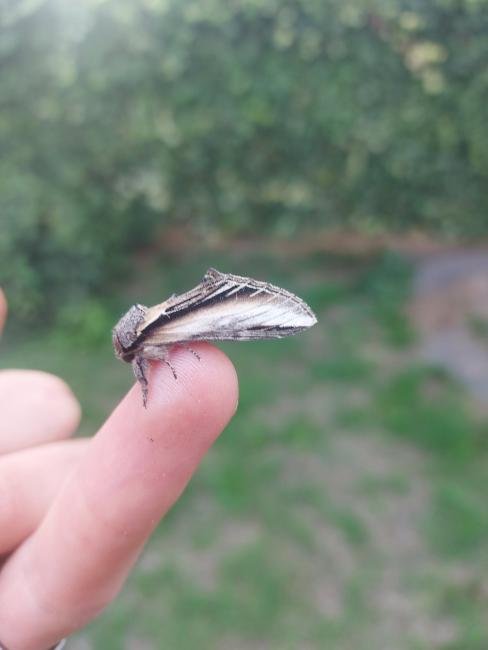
(29,482)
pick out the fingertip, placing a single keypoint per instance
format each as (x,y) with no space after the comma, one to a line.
(204,393)
(37,407)
(185,414)
(68,407)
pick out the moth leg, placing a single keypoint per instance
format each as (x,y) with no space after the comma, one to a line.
(187,347)
(140,367)
(165,360)
(159,353)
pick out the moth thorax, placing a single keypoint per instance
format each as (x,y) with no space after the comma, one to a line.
(125,332)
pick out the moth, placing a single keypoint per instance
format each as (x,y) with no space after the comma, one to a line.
(223,307)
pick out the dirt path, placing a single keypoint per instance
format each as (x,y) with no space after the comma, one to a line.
(450,309)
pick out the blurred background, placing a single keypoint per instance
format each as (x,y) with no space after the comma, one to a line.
(338,148)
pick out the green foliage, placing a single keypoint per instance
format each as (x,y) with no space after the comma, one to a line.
(120,117)
(87,323)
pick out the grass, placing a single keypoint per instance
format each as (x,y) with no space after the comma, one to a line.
(422,404)
(345,506)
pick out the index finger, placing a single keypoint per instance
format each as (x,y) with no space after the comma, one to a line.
(134,470)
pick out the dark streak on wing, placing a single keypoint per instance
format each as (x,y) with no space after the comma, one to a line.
(173,314)
(194,300)
(251,333)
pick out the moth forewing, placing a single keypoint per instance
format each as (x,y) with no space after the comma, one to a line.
(222,307)
(232,318)
(153,313)
(177,303)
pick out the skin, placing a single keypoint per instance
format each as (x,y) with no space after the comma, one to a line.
(75,514)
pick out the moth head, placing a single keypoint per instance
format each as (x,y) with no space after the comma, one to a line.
(127,331)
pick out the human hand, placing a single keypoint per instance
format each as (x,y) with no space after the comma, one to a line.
(75,514)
